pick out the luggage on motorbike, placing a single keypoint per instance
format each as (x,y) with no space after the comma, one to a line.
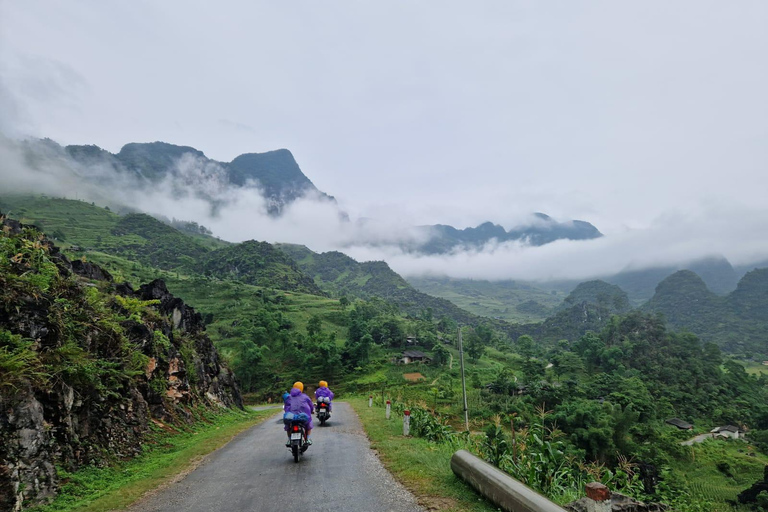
(289,417)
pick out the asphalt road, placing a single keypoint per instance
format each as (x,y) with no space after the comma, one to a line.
(256,472)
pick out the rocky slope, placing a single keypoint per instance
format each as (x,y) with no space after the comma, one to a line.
(87,364)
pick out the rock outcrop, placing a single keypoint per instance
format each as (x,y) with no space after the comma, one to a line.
(94,363)
(619,503)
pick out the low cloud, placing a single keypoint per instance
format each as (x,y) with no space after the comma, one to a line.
(198,190)
(673,239)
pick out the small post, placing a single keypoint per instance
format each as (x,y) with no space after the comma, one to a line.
(389,408)
(406,422)
(370,401)
(598,497)
(463,382)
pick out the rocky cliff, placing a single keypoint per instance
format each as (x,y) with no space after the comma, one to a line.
(87,364)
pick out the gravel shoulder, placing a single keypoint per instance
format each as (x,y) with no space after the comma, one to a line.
(255,472)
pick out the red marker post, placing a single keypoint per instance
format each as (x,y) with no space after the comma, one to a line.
(406,422)
(370,401)
(389,408)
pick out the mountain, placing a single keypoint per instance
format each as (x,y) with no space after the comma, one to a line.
(541,230)
(182,172)
(275,173)
(640,285)
(686,302)
(738,322)
(750,299)
(587,308)
(607,296)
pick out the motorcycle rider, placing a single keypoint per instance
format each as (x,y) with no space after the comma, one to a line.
(324,392)
(297,402)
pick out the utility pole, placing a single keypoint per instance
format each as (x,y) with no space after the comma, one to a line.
(463,382)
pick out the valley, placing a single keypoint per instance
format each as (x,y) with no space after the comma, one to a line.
(608,374)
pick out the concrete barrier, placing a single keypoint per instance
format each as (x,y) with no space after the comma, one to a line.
(498,487)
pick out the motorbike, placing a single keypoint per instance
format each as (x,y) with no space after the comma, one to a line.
(297,435)
(323,409)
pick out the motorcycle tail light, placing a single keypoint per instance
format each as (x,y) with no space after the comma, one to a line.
(295,428)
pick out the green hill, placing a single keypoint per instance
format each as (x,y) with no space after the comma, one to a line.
(257,263)
(737,322)
(140,238)
(341,275)
(607,296)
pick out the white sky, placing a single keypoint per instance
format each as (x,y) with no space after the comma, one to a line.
(619,113)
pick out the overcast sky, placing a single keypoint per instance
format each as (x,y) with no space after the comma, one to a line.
(619,113)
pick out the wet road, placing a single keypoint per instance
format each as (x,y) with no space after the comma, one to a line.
(255,472)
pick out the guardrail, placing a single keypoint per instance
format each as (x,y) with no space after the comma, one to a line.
(498,487)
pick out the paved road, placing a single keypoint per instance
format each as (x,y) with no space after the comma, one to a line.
(255,472)
(698,439)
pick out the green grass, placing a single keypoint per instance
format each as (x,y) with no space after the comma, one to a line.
(754,367)
(167,455)
(422,467)
(699,471)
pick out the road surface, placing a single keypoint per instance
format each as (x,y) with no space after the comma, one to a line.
(255,472)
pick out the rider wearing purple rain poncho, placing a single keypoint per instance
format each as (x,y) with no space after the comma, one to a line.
(298,402)
(324,391)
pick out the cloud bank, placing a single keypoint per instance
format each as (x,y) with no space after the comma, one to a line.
(198,190)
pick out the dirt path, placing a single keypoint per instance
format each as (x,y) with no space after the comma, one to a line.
(255,472)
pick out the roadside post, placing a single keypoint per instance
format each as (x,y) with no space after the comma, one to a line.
(598,497)
(370,401)
(389,408)
(406,422)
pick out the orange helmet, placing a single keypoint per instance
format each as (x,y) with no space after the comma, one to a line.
(299,385)
(323,384)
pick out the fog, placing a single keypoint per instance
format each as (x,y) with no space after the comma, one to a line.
(197,190)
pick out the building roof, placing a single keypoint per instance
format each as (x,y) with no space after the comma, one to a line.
(414,353)
(679,423)
(727,428)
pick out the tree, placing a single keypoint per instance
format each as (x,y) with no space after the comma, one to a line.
(314,326)
(475,347)
(525,346)
(568,363)
(440,355)
(344,302)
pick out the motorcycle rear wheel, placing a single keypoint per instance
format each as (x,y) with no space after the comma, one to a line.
(296,453)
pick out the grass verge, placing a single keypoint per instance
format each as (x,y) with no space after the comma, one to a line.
(422,467)
(167,455)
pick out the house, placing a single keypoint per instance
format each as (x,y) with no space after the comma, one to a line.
(765,363)
(677,422)
(414,356)
(411,340)
(727,431)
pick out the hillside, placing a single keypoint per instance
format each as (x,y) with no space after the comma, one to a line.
(341,275)
(256,263)
(737,322)
(513,301)
(607,296)
(140,238)
(718,273)
(87,365)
